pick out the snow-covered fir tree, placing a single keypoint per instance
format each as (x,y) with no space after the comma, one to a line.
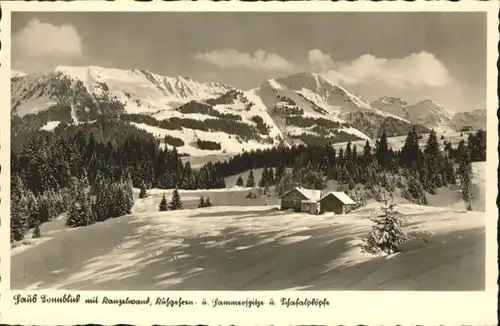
(465,169)
(387,234)
(201,203)
(123,194)
(382,151)
(414,190)
(250,180)
(103,200)
(434,158)
(466,185)
(263,180)
(163,204)
(80,212)
(176,202)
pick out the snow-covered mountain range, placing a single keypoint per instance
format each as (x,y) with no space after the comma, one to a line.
(431,114)
(302,108)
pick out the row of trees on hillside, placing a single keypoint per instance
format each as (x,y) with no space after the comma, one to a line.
(101,159)
(176,202)
(49,163)
(283,156)
(266,180)
(414,169)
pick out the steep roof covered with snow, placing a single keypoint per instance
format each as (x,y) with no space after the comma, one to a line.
(340,196)
(311,194)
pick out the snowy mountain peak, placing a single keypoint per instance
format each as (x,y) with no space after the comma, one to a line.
(330,93)
(431,114)
(177,88)
(274,84)
(427,102)
(388,101)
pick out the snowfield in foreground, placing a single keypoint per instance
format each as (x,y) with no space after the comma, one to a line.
(253,248)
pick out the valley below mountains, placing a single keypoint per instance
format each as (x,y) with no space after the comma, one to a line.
(201,119)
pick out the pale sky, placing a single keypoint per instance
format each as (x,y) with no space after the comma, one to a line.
(414,56)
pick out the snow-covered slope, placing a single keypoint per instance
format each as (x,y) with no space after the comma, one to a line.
(140,91)
(331,94)
(309,105)
(430,114)
(223,247)
(391,104)
(326,94)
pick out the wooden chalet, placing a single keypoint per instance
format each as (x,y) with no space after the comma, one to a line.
(315,202)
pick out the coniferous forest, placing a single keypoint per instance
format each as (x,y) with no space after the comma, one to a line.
(89,171)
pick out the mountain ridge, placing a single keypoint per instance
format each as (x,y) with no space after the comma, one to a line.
(432,114)
(300,108)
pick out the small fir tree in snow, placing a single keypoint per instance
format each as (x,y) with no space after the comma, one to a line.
(386,234)
(163,204)
(250,180)
(263,179)
(239,182)
(208,203)
(467,191)
(201,203)
(176,202)
(270,176)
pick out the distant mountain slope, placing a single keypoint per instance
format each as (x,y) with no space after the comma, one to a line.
(199,118)
(140,91)
(430,114)
(390,104)
(208,118)
(331,111)
(476,119)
